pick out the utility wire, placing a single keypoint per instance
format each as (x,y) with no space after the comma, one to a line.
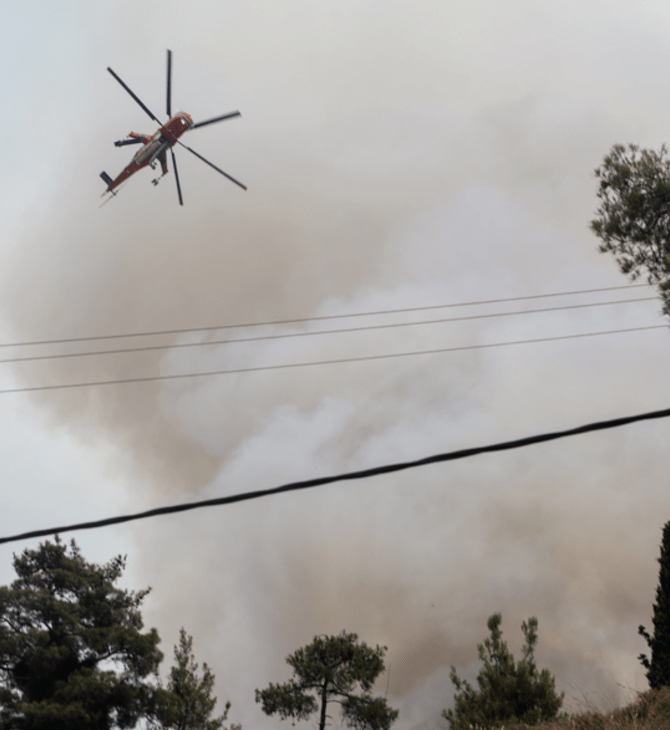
(363,474)
(314,319)
(286,366)
(391,325)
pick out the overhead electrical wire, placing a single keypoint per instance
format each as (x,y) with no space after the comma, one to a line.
(285,335)
(335,361)
(362,474)
(302,320)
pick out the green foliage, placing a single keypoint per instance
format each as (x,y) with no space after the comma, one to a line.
(73,655)
(188,702)
(329,670)
(658,669)
(509,694)
(64,628)
(634,215)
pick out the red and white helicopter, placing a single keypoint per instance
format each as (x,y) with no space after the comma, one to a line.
(154,147)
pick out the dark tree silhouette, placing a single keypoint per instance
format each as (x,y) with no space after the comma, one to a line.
(508,693)
(188,703)
(73,655)
(634,215)
(63,624)
(329,670)
(658,669)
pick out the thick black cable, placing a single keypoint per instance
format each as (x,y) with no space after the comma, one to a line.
(362,474)
(337,361)
(342,330)
(300,320)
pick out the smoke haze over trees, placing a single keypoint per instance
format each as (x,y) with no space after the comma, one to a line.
(397,155)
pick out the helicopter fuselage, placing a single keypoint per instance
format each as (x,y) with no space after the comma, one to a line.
(152,148)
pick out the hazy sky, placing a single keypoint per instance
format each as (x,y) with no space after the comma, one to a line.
(397,155)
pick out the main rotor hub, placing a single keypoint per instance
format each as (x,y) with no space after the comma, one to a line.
(187,118)
(175,127)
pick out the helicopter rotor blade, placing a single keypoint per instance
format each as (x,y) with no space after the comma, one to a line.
(225,174)
(146,109)
(176,176)
(169,83)
(217,119)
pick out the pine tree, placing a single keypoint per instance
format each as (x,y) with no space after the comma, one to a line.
(633,220)
(73,655)
(188,702)
(72,652)
(658,669)
(508,694)
(329,670)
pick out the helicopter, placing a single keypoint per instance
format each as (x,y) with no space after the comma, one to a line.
(155,146)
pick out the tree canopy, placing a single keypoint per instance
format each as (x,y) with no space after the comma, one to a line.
(658,669)
(73,655)
(61,622)
(509,693)
(330,669)
(188,703)
(634,215)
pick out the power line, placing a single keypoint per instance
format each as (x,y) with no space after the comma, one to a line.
(363,474)
(300,320)
(391,325)
(232,371)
